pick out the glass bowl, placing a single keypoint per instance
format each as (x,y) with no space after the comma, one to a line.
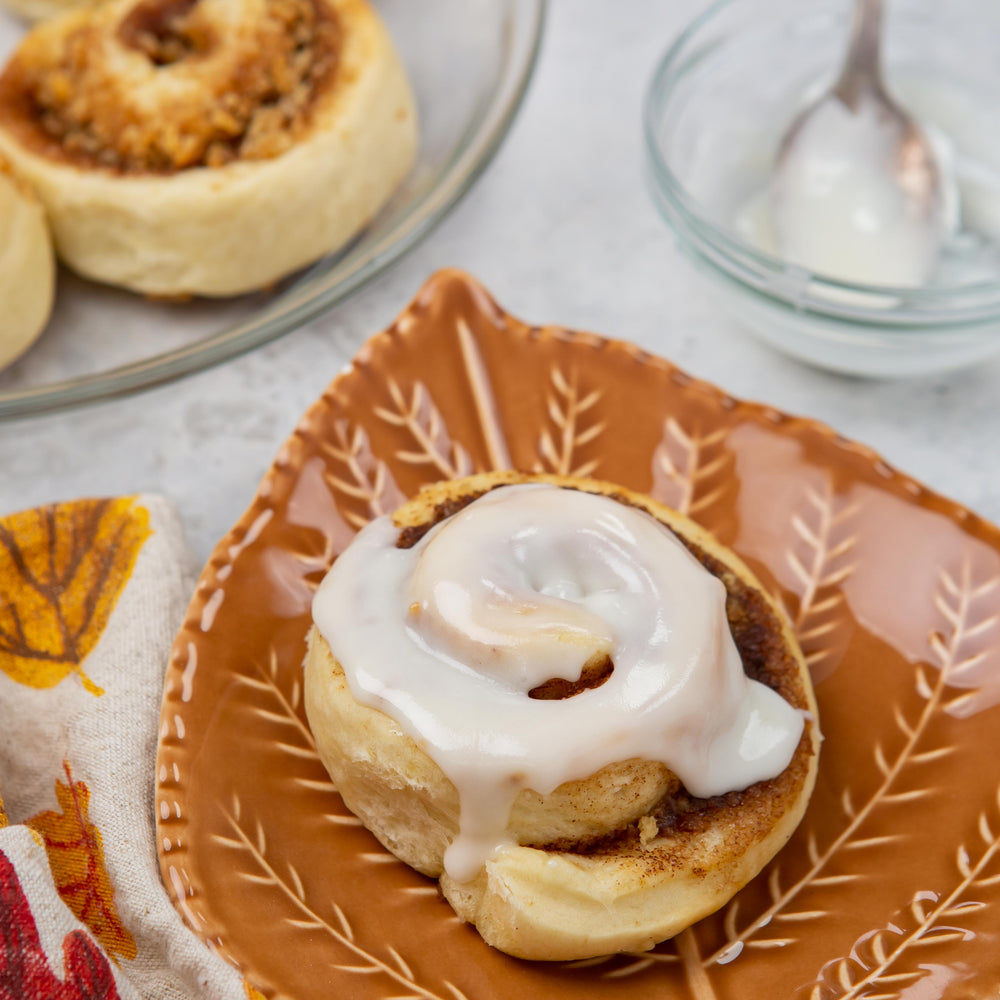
(469,63)
(719,101)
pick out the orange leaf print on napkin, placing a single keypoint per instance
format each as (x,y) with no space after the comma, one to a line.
(62,569)
(76,857)
(3,815)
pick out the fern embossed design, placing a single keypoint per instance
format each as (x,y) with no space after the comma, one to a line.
(883,962)
(330,921)
(821,560)
(963,616)
(420,418)
(693,472)
(567,408)
(683,464)
(365,485)
(281,707)
(969,614)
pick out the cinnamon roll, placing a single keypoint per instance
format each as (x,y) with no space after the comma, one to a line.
(567,702)
(27,267)
(207,146)
(40,10)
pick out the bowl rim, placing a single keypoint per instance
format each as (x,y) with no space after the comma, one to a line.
(893,308)
(323,285)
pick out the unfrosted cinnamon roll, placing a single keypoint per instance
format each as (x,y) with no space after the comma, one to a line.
(27,267)
(567,702)
(207,146)
(40,10)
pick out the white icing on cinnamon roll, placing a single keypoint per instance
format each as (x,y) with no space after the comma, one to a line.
(523,672)
(530,583)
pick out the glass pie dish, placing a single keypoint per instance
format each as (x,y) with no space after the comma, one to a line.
(469,64)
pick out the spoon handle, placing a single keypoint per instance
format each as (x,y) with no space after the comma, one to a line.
(862,72)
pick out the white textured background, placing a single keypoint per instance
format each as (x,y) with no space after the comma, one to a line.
(561,229)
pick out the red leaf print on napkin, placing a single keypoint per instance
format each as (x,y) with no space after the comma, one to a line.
(25,973)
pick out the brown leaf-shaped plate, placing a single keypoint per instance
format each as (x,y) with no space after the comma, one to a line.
(890,887)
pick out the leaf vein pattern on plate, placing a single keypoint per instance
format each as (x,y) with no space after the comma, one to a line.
(692,472)
(484,398)
(968,610)
(822,560)
(284,711)
(365,484)
(568,410)
(930,918)
(933,691)
(421,420)
(252,844)
(267,682)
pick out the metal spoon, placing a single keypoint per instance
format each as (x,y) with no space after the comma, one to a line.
(895,168)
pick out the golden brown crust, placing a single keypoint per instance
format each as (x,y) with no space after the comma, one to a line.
(27,266)
(251,98)
(23,188)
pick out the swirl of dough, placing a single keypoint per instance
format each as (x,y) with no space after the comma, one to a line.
(526,585)
(593,730)
(207,146)
(27,267)
(181,83)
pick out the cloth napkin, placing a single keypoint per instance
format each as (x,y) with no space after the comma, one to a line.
(91,594)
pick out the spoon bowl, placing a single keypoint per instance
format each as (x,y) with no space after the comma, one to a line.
(858,191)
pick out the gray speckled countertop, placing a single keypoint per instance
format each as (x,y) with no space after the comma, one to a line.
(562,230)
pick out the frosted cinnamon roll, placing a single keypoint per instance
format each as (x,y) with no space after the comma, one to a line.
(565,701)
(27,267)
(207,146)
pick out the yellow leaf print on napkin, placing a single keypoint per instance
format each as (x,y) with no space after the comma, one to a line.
(3,815)
(62,569)
(252,992)
(76,857)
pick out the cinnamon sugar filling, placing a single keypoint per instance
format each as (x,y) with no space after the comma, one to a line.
(166,31)
(204,95)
